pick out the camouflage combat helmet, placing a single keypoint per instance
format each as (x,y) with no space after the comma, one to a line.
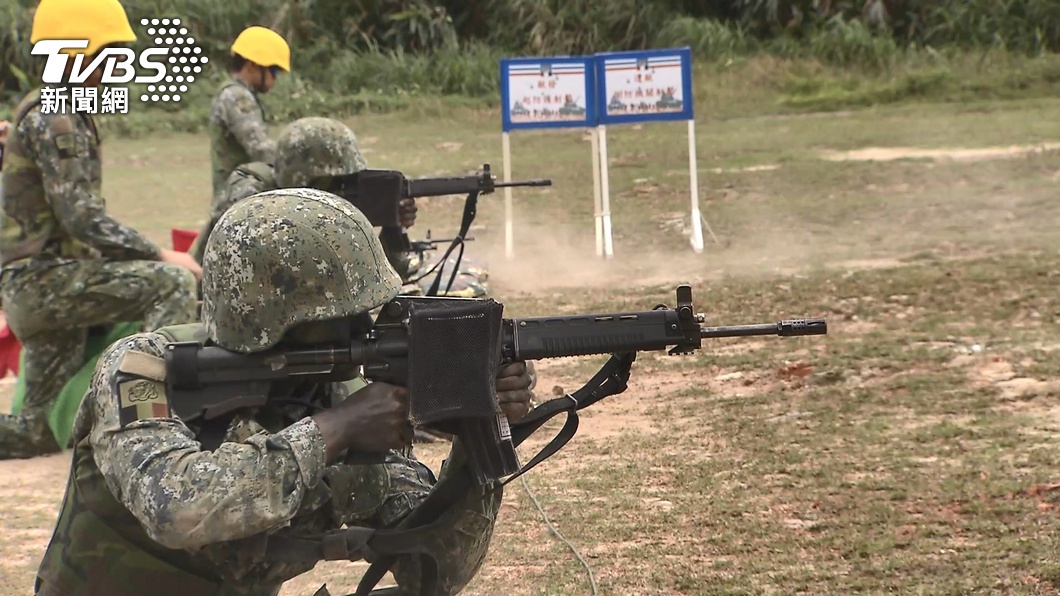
(289,256)
(312,148)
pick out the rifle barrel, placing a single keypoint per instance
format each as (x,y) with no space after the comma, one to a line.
(535,182)
(786,328)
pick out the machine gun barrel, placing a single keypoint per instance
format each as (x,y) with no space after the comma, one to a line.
(785,328)
(534,182)
(483,182)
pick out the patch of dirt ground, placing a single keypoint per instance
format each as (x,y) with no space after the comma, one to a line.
(1019,395)
(940,155)
(996,370)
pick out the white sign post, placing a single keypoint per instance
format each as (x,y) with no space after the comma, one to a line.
(605,195)
(598,206)
(506,155)
(693,183)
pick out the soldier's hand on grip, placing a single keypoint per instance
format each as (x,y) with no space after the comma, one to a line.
(515,389)
(374,419)
(407,212)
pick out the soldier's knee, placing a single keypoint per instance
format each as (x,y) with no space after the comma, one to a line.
(458,546)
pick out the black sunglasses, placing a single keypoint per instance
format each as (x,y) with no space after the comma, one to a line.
(274,71)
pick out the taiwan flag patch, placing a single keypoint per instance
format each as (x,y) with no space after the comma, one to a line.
(142,399)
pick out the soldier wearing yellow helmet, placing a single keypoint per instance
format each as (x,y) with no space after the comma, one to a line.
(66,265)
(238,134)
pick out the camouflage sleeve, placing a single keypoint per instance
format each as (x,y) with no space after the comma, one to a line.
(243,118)
(238,187)
(183,496)
(62,152)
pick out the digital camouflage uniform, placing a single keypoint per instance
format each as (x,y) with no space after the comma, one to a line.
(152,501)
(67,265)
(238,133)
(247,180)
(307,151)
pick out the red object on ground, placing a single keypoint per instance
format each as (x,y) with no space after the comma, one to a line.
(183,239)
(9,351)
(9,346)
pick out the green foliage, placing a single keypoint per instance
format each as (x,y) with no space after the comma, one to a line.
(1028,26)
(376,55)
(708,38)
(850,43)
(961,77)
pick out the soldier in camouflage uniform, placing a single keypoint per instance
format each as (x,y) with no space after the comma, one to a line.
(4,127)
(309,152)
(238,134)
(156,505)
(67,265)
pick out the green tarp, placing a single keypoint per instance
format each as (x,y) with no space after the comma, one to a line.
(61,418)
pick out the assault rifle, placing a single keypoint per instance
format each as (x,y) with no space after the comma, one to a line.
(447,351)
(378,193)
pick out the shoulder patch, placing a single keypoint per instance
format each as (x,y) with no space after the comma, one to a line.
(141,399)
(143,365)
(246,103)
(70,145)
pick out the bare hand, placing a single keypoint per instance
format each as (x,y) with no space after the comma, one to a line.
(515,389)
(374,419)
(407,212)
(182,259)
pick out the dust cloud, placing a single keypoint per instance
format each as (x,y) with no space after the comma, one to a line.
(562,257)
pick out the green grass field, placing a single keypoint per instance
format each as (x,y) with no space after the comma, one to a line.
(912,450)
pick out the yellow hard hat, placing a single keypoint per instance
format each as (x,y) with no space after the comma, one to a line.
(263,47)
(101,22)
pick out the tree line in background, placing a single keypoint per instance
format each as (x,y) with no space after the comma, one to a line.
(452,46)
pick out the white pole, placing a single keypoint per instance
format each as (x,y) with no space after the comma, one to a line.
(605,193)
(693,180)
(506,155)
(597,198)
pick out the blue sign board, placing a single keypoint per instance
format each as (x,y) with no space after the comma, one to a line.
(548,93)
(644,86)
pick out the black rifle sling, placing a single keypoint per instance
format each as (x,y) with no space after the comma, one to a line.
(468,217)
(611,379)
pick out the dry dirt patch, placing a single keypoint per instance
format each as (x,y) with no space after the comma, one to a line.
(996,370)
(939,155)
